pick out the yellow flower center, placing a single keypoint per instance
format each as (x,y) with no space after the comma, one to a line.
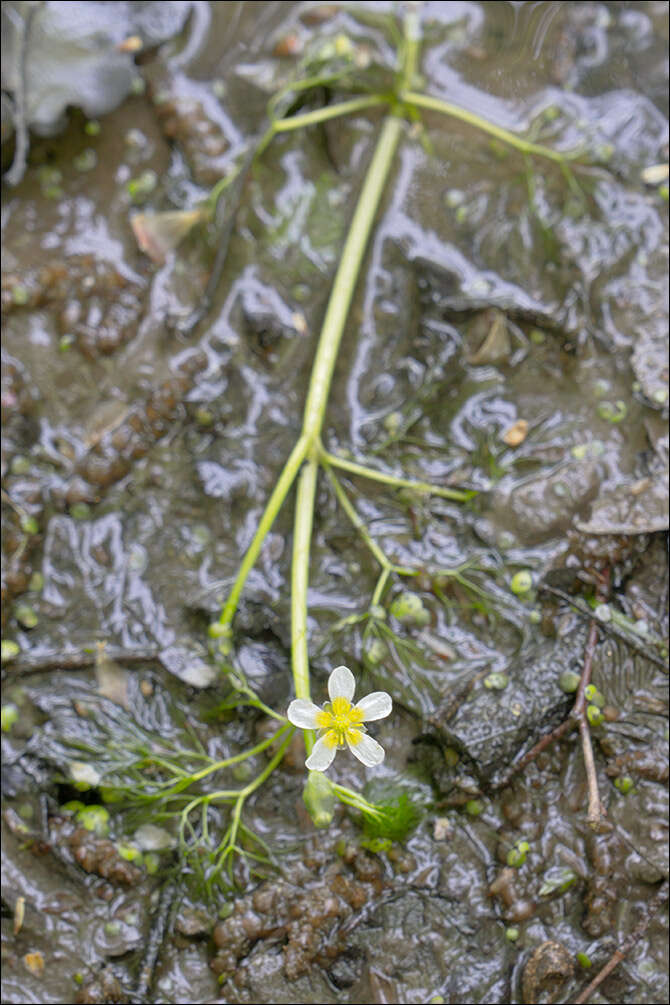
(341,722)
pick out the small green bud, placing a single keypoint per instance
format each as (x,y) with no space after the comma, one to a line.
(319,798)
(65,342)
(9,650)
(78,978)
(569,681)
(516,856)
(95,819)
(92,127)
(8,716)
(129,853)
(624,783)
(409,609)
(26,616)
(594,715)
(29,525)
(496,681)
(512,934)
(592,694)
(612,411)
(73,806)
(521,582)
(375,652)
(204,417)
(584,961)
(474,807)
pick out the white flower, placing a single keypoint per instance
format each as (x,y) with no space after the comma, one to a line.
(339,722)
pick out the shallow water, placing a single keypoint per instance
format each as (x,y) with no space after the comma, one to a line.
(494,291)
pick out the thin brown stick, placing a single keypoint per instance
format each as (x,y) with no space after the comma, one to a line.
(596,811)
(76,659)
(565,727)
(619,954)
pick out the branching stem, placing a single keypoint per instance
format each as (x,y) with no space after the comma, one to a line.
(432,104)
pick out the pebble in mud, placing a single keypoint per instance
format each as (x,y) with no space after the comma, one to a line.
(548,968)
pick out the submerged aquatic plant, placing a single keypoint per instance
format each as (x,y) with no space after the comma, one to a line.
(340,723)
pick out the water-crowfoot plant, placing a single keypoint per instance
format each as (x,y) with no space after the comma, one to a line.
(340,723)
(189,785)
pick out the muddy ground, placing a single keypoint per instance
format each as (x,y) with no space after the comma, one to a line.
(508,335)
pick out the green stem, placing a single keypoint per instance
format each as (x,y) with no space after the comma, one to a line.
(347,275)
(358,524)
(405,483)
(237,758)
(279,493)
(329,342)
(446,108)
(381,586)
(302,536)
(325,114)
(314,117)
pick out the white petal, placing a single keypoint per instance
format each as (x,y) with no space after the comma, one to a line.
(341,684)
(321,757)
(375,706)
(303,713)
(367,750)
